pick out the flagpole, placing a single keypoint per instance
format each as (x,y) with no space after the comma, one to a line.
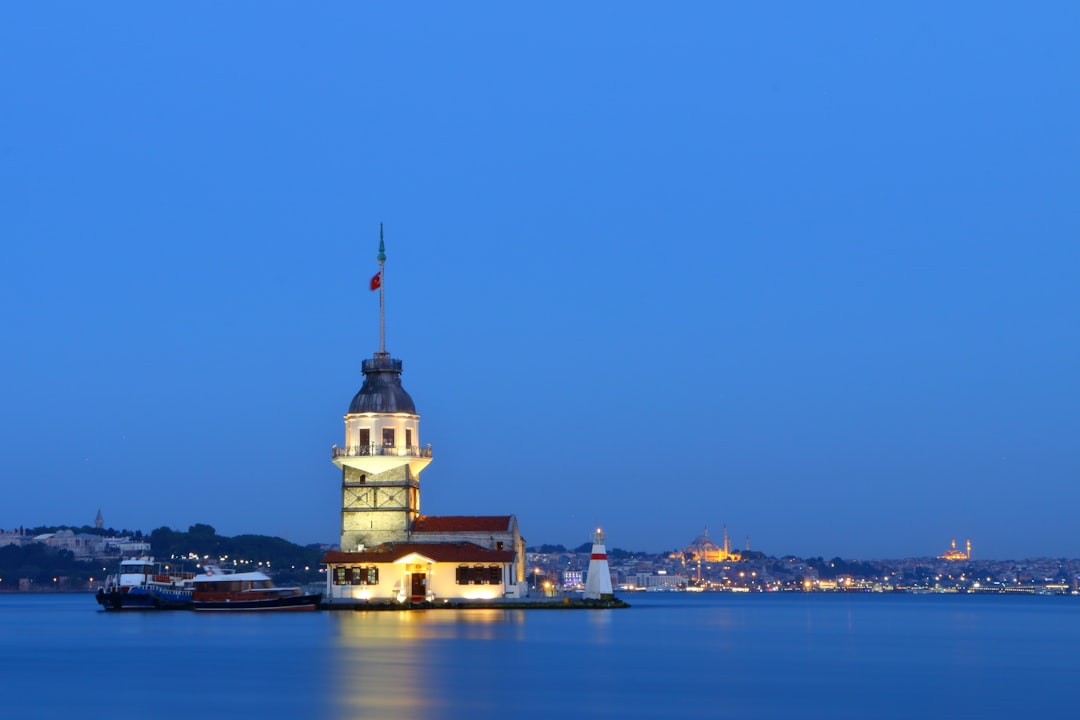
(382,296)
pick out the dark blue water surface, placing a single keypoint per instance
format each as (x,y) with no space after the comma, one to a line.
(699,655)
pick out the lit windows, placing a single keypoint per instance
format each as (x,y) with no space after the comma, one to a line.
(356,575)
(491,575)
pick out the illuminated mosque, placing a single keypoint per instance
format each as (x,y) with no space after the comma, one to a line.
(954,554)
(702,549)
(389,551)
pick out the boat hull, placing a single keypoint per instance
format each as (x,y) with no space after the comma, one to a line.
(116,600)
(143,599)
(293,603)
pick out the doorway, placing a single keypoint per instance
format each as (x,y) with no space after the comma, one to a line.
(419,587)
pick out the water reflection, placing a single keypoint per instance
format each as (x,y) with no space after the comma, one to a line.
(414,664)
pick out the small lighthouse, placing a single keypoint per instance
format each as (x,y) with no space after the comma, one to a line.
(598,581)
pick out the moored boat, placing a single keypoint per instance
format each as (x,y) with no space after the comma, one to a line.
(218,589)
(142,584)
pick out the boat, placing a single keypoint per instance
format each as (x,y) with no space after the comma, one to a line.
(218,589)
(142,584)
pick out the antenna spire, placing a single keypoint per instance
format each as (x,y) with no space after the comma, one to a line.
(382,293)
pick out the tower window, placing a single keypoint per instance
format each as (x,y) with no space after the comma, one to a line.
(365,442)
(408,437)
(388,437)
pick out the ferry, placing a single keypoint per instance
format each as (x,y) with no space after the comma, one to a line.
(218,589)
(142,584)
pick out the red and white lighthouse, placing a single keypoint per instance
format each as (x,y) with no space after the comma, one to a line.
(598,579)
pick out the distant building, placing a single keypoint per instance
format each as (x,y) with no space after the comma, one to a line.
(128,547)
(81,545)
(85,545)
(702,549)
(13,537)
(954,554)
(99,521)
(573,578)
(657,581)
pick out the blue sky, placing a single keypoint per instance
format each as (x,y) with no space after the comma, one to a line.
(807,270)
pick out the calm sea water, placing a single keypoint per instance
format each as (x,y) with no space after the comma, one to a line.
(698,655)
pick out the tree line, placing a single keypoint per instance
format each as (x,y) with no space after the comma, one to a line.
(47,567)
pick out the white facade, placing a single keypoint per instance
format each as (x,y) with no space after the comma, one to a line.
(421,572)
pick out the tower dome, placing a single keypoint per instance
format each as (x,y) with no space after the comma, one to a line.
(382,391)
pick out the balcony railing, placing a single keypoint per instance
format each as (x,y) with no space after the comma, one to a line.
(374,450)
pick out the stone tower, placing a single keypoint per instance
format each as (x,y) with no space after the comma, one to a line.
(382,456)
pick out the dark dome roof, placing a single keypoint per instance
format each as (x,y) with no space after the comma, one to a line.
(702,542)
(382,391)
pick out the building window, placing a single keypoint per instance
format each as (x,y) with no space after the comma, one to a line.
(491,575)
(408,437)
(388,437)
(356,575)
(364,446)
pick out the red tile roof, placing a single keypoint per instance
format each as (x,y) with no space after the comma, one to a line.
(439,552)
(462,523)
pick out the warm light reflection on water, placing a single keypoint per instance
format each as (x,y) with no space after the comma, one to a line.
(375,674)
(397,664)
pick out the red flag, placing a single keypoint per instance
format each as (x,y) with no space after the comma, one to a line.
(376,282)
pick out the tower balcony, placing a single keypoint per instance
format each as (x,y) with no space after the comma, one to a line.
(376,458)
(374,450)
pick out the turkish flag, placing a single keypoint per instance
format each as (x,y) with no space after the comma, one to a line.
(376,282)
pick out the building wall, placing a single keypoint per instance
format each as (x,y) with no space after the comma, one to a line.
(509,539)
(651,580)
(374,424)
(377,508)
(395,583)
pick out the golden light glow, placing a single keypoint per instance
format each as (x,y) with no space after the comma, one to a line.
(955,554)
(481,592)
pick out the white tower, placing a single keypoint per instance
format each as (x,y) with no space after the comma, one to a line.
(382,456)
(598,580)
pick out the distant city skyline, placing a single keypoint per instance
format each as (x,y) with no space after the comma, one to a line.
(805,271)
(724,551)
